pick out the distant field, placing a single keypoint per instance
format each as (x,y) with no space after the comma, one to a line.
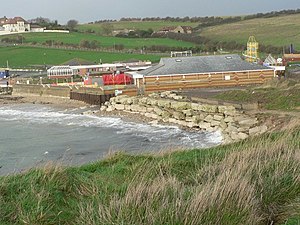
(26,56)
(141,25)
(277,31)
(75,38)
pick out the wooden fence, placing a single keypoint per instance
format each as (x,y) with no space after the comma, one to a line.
(92,99)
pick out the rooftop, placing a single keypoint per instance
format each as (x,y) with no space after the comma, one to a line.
(201,64)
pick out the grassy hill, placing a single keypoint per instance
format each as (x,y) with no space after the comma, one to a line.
(277,31)
(256,181)
(75,38)
(134,25)
(19,56)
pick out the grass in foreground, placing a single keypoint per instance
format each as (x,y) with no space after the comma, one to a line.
(256,181)
(19,56)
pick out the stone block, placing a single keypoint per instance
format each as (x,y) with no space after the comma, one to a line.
(150,109)
(215,123)
(227,108)
(195,106)
(158,111)
(120,107)
(228,119)
(208,118)
(110,109)
(187,112)
(258,130)
(180,105)
(163,103)
(166,114)
(178,115)
(204,125)
(208,108)
(151,115)
(218,117)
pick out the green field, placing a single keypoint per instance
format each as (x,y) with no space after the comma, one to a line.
(75,38)
(255,182)
(19,56)
(134,25)
(278,31)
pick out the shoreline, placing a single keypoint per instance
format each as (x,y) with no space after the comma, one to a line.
(63,103)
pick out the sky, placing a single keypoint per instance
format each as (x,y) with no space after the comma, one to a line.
(91,10)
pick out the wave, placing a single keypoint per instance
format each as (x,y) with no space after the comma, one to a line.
(38,114)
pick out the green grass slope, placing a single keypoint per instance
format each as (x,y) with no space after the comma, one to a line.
(75,38)
(135,25)
(256,181)
(274,95)
(19,56)
(278,31)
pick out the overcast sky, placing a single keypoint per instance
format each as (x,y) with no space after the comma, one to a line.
(91,10)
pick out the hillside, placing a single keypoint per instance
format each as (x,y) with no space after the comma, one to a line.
(134,25)
(103,41)
(277,31)
(256,181)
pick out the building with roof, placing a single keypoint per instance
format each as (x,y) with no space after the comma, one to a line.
(291,59)
(178,29)
(16,24)
(201,71)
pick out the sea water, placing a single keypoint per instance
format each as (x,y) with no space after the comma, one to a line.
(32,135)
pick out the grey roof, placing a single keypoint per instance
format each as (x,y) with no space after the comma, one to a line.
(201,64)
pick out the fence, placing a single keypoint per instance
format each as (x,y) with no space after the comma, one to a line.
(92,99)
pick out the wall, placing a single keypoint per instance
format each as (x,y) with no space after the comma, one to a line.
(173,82)
(42,90)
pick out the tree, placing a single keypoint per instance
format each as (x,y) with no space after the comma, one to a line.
(71,24)
(107,28)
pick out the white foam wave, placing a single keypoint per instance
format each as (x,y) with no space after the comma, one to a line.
(36,114)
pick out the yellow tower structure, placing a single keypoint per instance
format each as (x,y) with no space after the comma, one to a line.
(252,50)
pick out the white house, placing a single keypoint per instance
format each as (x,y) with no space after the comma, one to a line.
(16,24)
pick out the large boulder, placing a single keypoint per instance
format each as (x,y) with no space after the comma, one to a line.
(151,115)
(143,101)
(180,105)
(158,111)
(120,107)
(227,110)
(195,106)
(166,114)
(163,103)
(209,118)
(152,102)
(258,130)
(178,115)
(208,108)
(204,125)
(187,112)
(218,117)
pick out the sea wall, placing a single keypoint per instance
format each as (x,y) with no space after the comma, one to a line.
(170,108)
(41,90)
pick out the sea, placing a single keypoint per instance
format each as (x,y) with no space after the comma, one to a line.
(32,135)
